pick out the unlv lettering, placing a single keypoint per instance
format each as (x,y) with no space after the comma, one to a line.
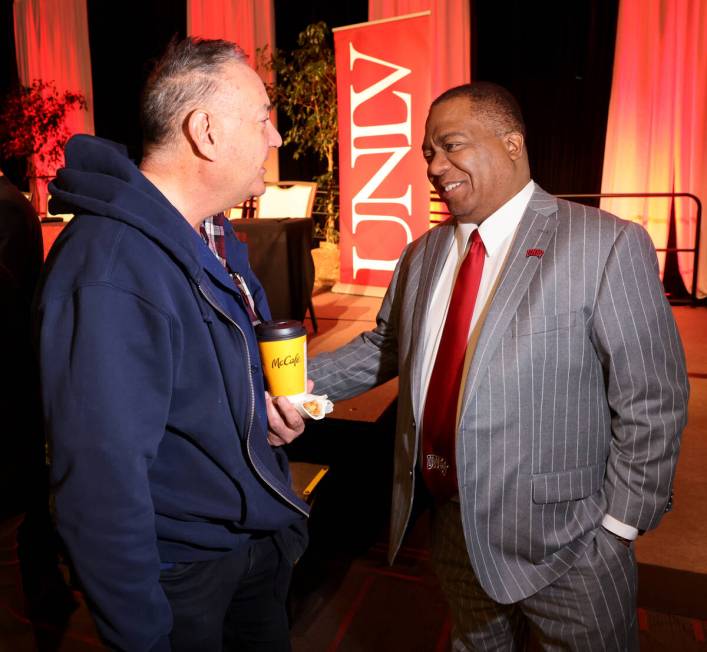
(383,79)
(396,154)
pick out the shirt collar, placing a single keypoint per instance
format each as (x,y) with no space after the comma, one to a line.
(498,226)
(212,231)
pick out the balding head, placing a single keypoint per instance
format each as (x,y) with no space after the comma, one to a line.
(182,79)
(207,128)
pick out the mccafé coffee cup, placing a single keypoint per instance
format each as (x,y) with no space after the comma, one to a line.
(283,350)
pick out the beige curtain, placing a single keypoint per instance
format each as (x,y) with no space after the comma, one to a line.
(250,23)
(450,38)
(51,39)
(657,126)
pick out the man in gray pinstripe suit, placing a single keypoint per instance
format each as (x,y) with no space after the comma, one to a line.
(572,399)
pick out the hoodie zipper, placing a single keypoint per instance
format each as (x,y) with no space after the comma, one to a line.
(218,309)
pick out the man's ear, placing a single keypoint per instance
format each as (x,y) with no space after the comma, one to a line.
(199,132)
(515,144)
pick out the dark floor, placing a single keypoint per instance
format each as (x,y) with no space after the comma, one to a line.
(377,608)
(360,604)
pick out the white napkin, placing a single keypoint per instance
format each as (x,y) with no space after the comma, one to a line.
(312,406)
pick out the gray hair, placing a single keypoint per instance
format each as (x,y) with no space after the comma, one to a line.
(492,102)
(182,78)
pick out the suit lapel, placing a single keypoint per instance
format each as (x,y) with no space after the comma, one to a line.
(536,229)
(433,259)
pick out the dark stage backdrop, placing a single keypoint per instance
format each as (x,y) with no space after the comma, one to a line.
(126,37)
(8,66)
(556,57)
(290,19)
(13,169)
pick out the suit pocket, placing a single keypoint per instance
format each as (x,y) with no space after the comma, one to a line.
(544,324)
(567,485)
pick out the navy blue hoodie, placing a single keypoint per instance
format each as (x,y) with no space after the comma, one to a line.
(153,395)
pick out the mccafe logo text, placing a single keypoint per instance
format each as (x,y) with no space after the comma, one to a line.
(288,360)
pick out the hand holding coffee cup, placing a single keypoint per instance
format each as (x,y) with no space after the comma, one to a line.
(283,351)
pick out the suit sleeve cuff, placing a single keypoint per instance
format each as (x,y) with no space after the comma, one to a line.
(620,529)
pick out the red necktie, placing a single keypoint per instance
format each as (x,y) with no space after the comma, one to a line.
(439,423)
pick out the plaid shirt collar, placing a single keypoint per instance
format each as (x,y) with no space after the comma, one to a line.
(213,231)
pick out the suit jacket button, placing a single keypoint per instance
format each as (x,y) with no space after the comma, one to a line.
(669,505)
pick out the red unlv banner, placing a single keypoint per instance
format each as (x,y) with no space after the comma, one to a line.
(383,87)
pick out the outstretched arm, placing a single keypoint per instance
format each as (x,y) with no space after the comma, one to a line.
(371,358)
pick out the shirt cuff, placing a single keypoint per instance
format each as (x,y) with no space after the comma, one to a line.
(620,529)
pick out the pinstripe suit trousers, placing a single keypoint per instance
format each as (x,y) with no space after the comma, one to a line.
(591,607)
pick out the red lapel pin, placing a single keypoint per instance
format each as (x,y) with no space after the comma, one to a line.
(538,253)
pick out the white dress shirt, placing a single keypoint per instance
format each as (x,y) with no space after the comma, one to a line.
(497,232)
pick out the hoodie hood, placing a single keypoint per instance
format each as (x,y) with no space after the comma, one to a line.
(100,181)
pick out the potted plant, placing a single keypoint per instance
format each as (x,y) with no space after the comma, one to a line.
(305,91)
(33,127)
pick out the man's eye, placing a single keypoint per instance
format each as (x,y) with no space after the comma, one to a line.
(451,147)
(427,155)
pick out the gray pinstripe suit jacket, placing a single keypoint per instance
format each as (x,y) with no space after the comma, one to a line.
(574,402)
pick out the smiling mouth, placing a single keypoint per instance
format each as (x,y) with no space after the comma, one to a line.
(449,188)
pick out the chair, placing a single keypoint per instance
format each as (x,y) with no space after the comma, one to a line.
(244,210)
(286,199)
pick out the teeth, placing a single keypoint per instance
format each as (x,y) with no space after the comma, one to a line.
(451,186)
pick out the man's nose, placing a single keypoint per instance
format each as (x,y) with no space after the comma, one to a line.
(437,165)
(274,137)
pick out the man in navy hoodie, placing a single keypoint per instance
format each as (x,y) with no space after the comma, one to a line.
(172,497)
